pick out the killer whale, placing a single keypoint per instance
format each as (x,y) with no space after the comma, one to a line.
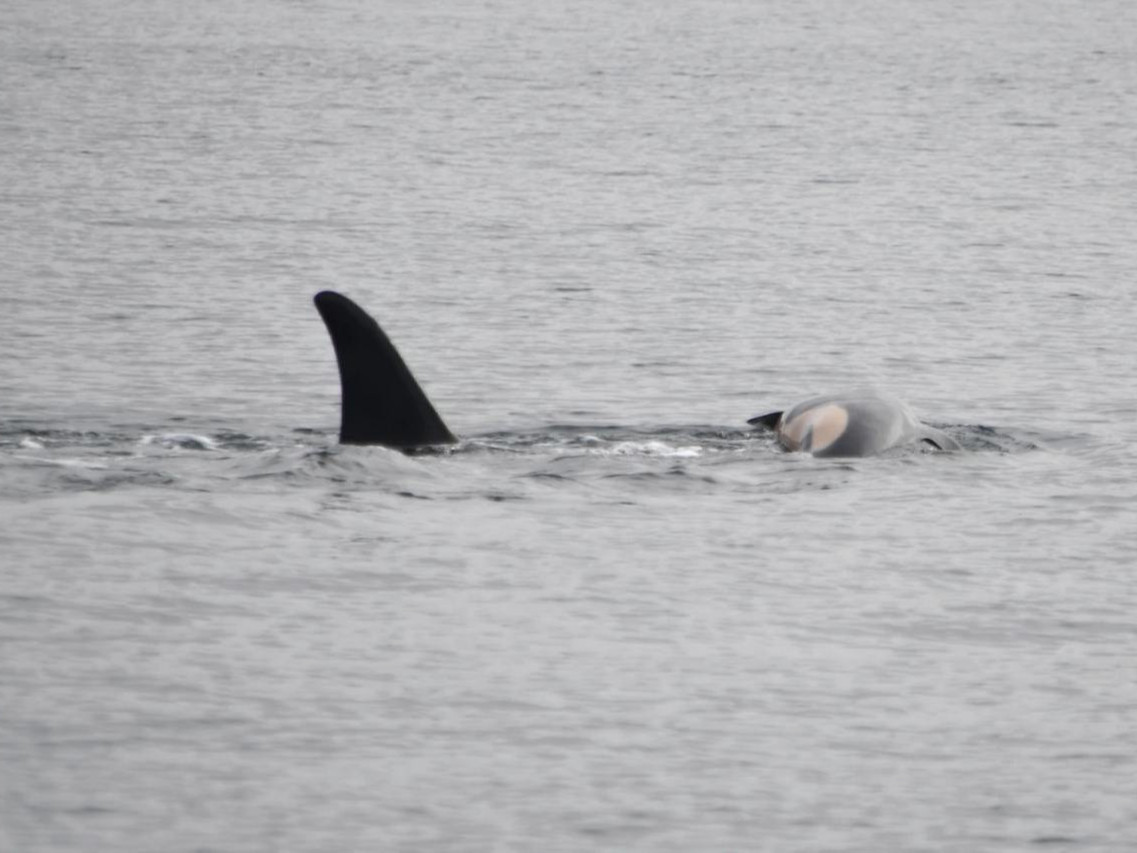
(858,423)
(381,403)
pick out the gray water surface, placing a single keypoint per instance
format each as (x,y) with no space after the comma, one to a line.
(603,236)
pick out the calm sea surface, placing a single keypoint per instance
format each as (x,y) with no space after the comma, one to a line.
(603,235)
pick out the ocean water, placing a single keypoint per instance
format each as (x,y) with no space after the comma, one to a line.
(603,235)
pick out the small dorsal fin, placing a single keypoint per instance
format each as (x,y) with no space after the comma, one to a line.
(768,420)
(381,403)
(939,439)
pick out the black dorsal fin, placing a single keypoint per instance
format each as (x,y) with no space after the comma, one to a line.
(768,420)
(381,403)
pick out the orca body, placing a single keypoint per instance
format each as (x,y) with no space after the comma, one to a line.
(860,423)
(381,403)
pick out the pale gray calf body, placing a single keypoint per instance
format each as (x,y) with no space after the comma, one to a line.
(861,423)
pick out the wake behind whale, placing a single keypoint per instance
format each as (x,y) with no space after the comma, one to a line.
(382,403)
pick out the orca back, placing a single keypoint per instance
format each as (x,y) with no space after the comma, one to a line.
(858,423)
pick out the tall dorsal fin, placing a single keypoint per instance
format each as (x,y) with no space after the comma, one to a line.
(381,403)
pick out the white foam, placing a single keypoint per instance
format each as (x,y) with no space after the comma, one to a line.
(653,448)
(185,440)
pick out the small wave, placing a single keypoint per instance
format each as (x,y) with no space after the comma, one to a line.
(181,440)
(83,464)
(659,442)
(27,436)
(650,448)
(677,474)
(81,481)
(981,438)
